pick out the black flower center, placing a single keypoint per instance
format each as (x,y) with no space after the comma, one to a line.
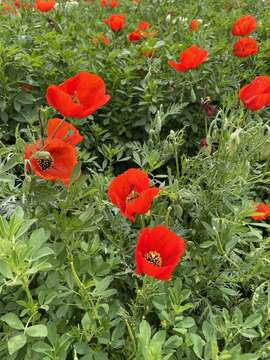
(154,258)
(133,195)
(44,160)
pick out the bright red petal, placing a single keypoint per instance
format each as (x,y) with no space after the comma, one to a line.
(57,128)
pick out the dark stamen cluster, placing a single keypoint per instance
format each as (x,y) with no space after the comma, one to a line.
(133,195)
(154,258)
(45,164)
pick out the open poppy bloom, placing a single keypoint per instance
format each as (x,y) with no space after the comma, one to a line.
(44,5)
(60,129)
(143,25)
(115,22)
(256,95)
(244,26)
(78,96)
(134,36)
(189,59)
(158,251)
(131,193)
(245,47)
(194,24)
(53,161)
(262,212)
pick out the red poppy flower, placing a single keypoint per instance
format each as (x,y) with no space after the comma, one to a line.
(131,193)
(194,24)
(60,129)
(245,47)
(19,4)
(256,95)
(113,4)
(78,96)
(143,25)
(44,5)
(262,212)
(115,22)
(55,161)
(189,59)
(103,3)
(134,36)
(158,251)
(244,26)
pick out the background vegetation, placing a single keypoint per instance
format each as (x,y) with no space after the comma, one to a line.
(67,281)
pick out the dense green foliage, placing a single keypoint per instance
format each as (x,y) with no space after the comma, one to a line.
(67,281)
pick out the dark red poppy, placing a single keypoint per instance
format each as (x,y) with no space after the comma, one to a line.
(203,143)
(115,22)
(207,107)
(100,39)
(143,25)
(158,251)
(53,161)
(262,212)
(60,129)
(78,96)
(245,47)
(113,4)
(44,5)
(244,26)
(256,95)
(131,193)
(189,59)
(194,24)
(134,36)
(148,53)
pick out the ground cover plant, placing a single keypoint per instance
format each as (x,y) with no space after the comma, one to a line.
(134,192)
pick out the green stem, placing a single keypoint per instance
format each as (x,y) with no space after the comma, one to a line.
(176,161)
(142,222)
(28,293)
(83,291)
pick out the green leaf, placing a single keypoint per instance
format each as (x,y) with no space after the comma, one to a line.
(198,344)
(249,357)
(41,347)
(45,251)
(249,333)
(15,343)
(252,321)
(5,270)
(37,331)
(145,331)
(13,321)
